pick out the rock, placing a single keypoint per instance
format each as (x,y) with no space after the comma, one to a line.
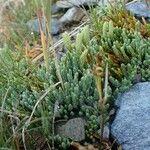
(112,2)
(139,9)
(74,129)
(71,3)
(131,126)
(73,14)
(55,9)
(33,25)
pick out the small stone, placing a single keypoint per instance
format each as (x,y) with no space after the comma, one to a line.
(108,2)
(139,9)
(72,3)
(63,4)
(55,9)
(131,126)
(73,129)
(73,14)
(33,25)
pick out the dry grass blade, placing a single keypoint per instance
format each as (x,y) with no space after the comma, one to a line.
(39,100)
(15,138)
(52,48)
(106,84)
(44,47)
(2,107)
(12,113)
(35,106)
(58,71)
(102,102)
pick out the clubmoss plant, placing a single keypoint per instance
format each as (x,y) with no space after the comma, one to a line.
(105,60)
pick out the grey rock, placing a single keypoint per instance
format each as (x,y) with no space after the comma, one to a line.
(55,9)
(73,129)
(33,25)
(112,2)
(72,3)
(73,14)
(131,126)
(139,9)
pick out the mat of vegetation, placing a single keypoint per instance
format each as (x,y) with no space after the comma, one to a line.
(109,55)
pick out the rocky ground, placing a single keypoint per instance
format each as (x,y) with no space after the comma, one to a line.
(74,16)
(131,124)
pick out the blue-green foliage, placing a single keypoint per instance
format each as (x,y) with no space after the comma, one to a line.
(128,56)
